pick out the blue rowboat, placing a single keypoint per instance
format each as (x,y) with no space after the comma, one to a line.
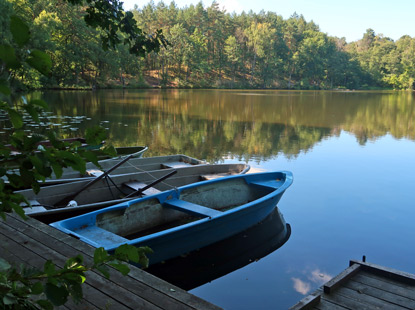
(178,221)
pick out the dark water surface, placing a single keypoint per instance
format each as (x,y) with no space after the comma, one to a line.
(352,155)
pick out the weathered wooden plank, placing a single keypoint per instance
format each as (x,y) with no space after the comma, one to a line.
(352,300)
(392,282)
(307,302)
(108,288)
(37,254)
(386,271)
(139,282)
(383,285)
(29,258)
(328,305)
(338,280)
(381,294)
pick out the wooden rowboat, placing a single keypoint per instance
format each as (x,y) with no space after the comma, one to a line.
(46,204)
(179,221)
(130,166)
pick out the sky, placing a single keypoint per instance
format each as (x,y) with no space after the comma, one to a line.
(349,19)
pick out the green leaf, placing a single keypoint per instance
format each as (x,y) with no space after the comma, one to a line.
(100,256)
(40,103)
(73,278)
(40,61)
(9,299)
(74,262)
(129,251)
(8,55)
(4,87)
(33,112)
(19,210)
(16,118)
(37,288)
(49,268)
(95,135)
(76,292)
(4,265)
(57,169)
(121,268)
(56,294)
(104,270)
(91,156)
(110,150)
(19,30)
(45,304)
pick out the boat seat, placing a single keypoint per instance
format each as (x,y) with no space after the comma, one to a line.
(191,208)
(175,164)
(36,207)
(101,236)
(269,184)
(206,177)
(34,202)
(136,185)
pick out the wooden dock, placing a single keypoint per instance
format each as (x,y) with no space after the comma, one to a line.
(364,286)
(32,242)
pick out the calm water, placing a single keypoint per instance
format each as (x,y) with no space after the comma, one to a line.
(352,155)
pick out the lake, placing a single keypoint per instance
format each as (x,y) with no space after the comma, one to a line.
(352,155)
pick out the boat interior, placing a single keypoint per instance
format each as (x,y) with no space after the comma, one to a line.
(204,201)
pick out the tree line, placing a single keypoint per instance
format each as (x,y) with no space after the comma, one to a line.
(209,47)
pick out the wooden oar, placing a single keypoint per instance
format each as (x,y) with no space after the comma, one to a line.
(139,191)
(66,200)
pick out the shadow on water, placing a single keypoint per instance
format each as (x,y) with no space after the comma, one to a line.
(214,261)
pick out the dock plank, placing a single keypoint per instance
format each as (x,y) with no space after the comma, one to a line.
(328,305)
(349,299)
(108,287)
(381,294)
(364,286)
(385,285)
(138,290)
(35,254)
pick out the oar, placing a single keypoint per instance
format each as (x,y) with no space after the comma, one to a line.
(139,191)
(66,200)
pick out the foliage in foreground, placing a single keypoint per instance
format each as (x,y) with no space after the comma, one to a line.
(30,288)
(24,163)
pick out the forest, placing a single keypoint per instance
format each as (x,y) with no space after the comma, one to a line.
(208,48)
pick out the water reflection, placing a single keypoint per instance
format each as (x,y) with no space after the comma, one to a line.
(214,124)
(221,258)
(313,278)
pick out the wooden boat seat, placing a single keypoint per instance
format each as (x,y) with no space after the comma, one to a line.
(191,208)
(36,207)
(101,236)
(136,185)
(175,164)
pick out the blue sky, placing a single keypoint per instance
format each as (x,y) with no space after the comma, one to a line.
(348,19)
